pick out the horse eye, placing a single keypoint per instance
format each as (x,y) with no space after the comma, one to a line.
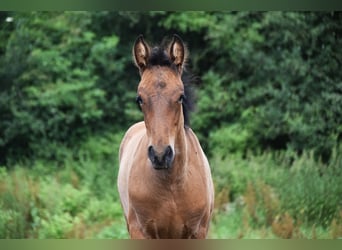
(181,98)
(139,100)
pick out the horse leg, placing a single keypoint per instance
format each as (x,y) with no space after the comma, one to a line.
(134,227)
(201,233)
(203,228)
(135,232)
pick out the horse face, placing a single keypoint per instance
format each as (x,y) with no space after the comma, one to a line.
(160,96)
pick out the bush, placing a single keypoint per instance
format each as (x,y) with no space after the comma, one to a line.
(57,226)
(312,191)
(74,197)
(271,75)
(12,224)
(68,88)
(275,184)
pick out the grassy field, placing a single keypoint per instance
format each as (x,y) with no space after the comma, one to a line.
(73,195)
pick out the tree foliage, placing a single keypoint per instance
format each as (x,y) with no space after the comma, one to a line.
(270,80)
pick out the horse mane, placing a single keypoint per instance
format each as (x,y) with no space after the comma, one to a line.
(189,101)
(159,57)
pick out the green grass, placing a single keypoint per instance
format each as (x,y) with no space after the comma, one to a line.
(266,196)
(236,223)
(280,195)
(48,207)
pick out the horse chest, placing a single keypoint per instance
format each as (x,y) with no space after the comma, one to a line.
(168,214)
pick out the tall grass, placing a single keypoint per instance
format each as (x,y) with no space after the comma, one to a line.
(282,194)
(72,197)
(72,194)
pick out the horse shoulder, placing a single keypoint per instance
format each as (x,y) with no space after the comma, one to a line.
(195,148)
(135,131)
(127,147)
(200,164)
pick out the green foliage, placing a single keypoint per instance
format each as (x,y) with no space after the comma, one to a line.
(55,92)
(279,77)
(11,224)
(56,227)
(271,81)
(71,198)
(261,189)
(312,190)
(229,140)
(299,185)
(69,74)
(192,21)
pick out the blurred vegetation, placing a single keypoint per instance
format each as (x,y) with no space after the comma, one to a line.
(269,116)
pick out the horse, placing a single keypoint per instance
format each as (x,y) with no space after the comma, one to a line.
(164,180)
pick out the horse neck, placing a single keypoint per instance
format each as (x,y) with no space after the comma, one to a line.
(180,166)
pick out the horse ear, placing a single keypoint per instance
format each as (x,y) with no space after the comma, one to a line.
(177,52)
(141,52)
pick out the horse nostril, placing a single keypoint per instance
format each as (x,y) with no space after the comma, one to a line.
(161,160)
(168,156)
(155,158)
(151,154)
(168,152)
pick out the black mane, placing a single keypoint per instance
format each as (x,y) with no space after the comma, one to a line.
(189,100)
(159,57)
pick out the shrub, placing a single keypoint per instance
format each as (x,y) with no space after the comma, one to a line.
(268,75)
(12,224)
(101,210)
(312,191)
(232,139)
(309,191)
(60,199)
(56,226)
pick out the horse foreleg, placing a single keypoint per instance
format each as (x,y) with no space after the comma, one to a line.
(203,228)
(201,233)
(135,233)
(134,228)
